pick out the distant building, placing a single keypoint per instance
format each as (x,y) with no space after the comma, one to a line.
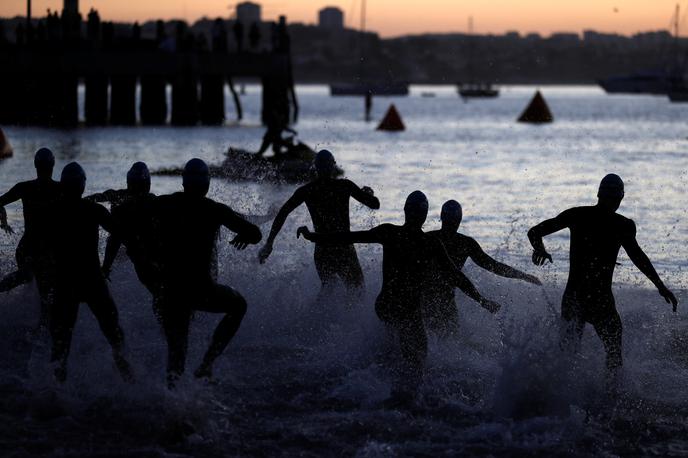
(70,8)
(331,18)
(248,12)
(565,38)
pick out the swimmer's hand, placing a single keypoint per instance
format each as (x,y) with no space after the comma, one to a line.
(368,190)
(264,253)
(239,242)
(7,228)
(668,296)
(303,230)
(540,256)
(490,306)
(532,279)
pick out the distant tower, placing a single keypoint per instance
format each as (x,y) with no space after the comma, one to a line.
(248,12)
(70,8)
(331,18)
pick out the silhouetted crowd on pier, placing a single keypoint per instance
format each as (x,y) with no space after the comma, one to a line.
(171,241)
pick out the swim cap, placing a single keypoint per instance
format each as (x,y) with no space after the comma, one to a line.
(324,161)
(416,201)
(196,174)
(73,179)
(138,174)
(451,211)
(44,159)
(611,186)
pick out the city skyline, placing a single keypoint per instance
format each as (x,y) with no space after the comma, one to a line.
(389,18)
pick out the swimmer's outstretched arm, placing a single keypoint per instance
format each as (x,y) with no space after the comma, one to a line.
(488,263)
(643,263)
(340,238)
(536,233)
(110,196)
(246,233)
(459,280)
(10,196)
(111,249)
(365,195)
(289,206)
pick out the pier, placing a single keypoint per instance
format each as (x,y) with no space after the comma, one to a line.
(43,68)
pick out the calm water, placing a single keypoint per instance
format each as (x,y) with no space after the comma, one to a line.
(304,380)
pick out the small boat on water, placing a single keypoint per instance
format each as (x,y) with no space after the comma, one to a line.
(652,82)
(475,89)
(377,89)
(482,90)
(294,166)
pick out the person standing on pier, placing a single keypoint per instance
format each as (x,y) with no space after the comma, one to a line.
(407,256)
(33,256)
(327,200)
(597,234)
(439,306)
(186,225)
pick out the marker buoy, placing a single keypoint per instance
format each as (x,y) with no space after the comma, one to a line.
(392,121)
(5,147)
(537,111)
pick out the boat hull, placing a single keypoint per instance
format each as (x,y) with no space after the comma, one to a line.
(378,89)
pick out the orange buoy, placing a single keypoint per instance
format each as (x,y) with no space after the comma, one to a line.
(537,111)
(392,121)
(5,147)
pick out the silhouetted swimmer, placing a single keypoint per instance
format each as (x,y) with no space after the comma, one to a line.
(131,210)
(78,272)
(186,227)
(597,234)
(33,256)
(276,126)
(441,314)
(327,200)
(408,254)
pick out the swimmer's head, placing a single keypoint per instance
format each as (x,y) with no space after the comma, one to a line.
(73,180)
(44,161)
(138,178)
(416,209)
(611,191)
(324,163)
(196,177)
(451,214)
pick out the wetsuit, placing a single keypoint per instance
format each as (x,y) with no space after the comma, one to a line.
(439,306)
(185,230)
(33,251)
(327,201)
(79,276)
(596,237)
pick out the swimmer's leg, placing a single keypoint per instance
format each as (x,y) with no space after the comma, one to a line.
(63,316)
(223,299)
(175,316)
(414,348)
(349,270)
(104,309)
(610,330)
(571,325)
(442,317)
(326,264)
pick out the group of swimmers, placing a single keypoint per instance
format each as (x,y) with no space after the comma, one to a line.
(171,241)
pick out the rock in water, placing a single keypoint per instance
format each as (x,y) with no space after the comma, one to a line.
(537,111)
(392,121)
(5,147)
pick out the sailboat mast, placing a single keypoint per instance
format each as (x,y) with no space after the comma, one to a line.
(363,15)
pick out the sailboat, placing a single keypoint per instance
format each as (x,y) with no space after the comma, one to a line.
(367,85)
(475,89)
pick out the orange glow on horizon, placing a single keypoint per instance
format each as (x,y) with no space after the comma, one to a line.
(400,17)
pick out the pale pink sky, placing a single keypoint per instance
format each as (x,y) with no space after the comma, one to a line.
(397,17)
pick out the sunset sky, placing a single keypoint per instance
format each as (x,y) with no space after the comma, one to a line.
(398,17)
